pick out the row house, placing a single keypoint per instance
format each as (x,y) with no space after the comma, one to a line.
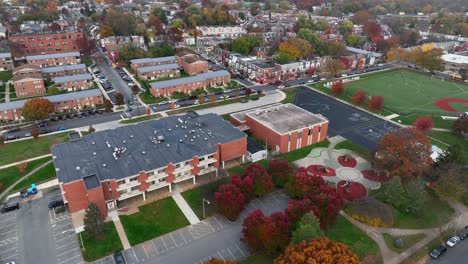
(192,63)
(371,56)
(114,167)
(222,32)
(47,42)
(294,70)
(257,70)
(59,71)
(56,59)
(354,61)
(62,102)
(147,62)
(159,71)
(27,81)
(74,82)
(190,84)
(6,62)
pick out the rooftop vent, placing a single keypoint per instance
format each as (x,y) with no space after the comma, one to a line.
(168,145)
(124,141)
(169,129)
(93,143)
(104,165)
(155,132)
(178,126)
(131,136)
(94,153)
(160,138)
(206,139)
(143,152)
(77,168)
(185,136)
(57,169)
(180,140)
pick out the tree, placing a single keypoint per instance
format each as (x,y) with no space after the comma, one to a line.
(416,194)
(52,6)
(409,198)
(119,99)
(91,129)
(280,171)
(254,8)
(296,47)
(345,27)
(453,154)
(2,140)
(320,250)
(309,35)
(94,222)
(373,31)
(424,123)
(230,201)
(22,166)
(359,97)
(283,58)
(328,203)
(35,133)
(53,90)
(135,89)
(106,31)
(376,103)
(244,45)
(129,52)
(163,50)
(337,89)
(307,229)
(460,126)
(37,108)
(261,180)
(302,183)
(334,67)
(451,181)
(405,152)
(107,105)
(219,261)
(361,17)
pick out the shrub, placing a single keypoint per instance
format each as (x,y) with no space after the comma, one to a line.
(424,123)
(35,133)
(460,126)
(337,89)
(261,180)
(371,211)
(22,167)
(359,97)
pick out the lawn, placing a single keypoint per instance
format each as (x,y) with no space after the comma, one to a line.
(153,220)
(407,92)
(451,139)
(438,121)
(357,241)
(140,119)
(10,175)
(302,152)
(194,197)
(147,98)
(96,249)
(290,95)
(44,174)
(257,259)
(5,75)
(348,144)
(408,241)
(204,106)
(213,90)
(30,148)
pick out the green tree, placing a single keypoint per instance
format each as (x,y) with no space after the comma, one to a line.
(244,45)
(159,13)
(53,90)
(94,221)
(178,23)
(345,27)
(415,196)
(283,58)
(307,229)
(129,52)
(307,34)
(451,181)
(163,50)
(106,31)
(123,24)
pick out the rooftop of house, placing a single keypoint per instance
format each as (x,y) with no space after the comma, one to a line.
(161,67)
(191,79)
(63,68)
(26,68)
(73,78)
(282,118)
(53,56)
(126,151)
(27,75)
(149,60)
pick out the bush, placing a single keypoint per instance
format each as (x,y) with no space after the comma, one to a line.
(424,123)
(35,133)
(371,211)
(460,126)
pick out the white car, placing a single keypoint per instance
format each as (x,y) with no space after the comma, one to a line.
(176,106)
(163,102)
(453,241)
(130,84)
(310,81)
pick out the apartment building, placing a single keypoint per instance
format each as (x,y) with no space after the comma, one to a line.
(56,59)
(222,32)
(147,62)
(284,128)
(62,102)
(158,71)
(189,84)
(131,162)
(192,63)
(27,81)
(60,71)
(6,61)
(74,82)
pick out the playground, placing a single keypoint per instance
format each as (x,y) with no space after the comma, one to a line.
(406,92)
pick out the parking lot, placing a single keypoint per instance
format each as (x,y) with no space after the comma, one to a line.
(212,237)
(8,237)
(67,247)
(345,120)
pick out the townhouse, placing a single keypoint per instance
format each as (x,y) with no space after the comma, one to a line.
(27,81)
(59,71)
(190,84)
(222,32)
(260,71)
(56,59)
(158,71)
(6,61)
(74,82)
(117,166)
(192,63)
(62,102)
(146,62)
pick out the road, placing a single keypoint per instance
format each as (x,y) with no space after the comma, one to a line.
(456,255)
(114,78)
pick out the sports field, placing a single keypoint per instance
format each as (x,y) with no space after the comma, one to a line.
(406,92)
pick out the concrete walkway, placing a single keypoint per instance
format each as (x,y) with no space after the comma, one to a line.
(7,92)
(26,160)
(22,178)
(389,117)
(186,209)
(120,230)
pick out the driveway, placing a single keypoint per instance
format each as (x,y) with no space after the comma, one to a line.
(114,78)
(213,237)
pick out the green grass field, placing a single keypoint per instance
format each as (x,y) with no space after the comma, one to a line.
(406,92)
(96,249)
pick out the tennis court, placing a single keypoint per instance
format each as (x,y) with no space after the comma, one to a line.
(406,92)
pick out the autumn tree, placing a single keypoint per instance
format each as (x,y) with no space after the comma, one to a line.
(405,152)
(35,133)
(107,105)
(296,209)
(337,89)
(135,89)
(22,166)
(373,31)
(359,97)
(296,47)
(451,181)
(261,180)
(361,17)
(460,126)
(328,203)
(94,222)
(334,67)
(307,229)
(219,261)
(453,154)
(254,8)
(321,250)
(230,201)
(376,103)
(119,99)
(52,6)
(37,108)
(106,31)
(424,123)
(280,171)
(301,183)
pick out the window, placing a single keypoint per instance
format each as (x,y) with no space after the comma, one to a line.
(133,179)
(121,182)
(134,188)
(177,165)
(211,156)
(202,159)
(123,191)
(320,128)
(162,180)
(151,173)
(310,132)
(299,135)
(187,163)
(289,137)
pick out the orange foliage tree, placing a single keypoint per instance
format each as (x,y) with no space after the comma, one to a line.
(297,48)
(359,97)
(219,261)
(322,250)
(376,103)
(37,108)
(337,89)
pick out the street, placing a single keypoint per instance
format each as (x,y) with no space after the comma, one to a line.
(114,78)
(455,255)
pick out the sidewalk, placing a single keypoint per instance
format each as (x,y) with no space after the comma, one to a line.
(120,230)
(186,209)
(7,92)
(26,160)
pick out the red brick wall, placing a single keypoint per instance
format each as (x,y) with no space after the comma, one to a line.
(113,186)
(28,88)
(195,68)
(236,122)
(75,193)
(159,74)
(96,196)
(56,61)
(194,162)
(170,172)
(64,73)
(189,87)
(265,134)
(76,85)
(143,178)
(232,150)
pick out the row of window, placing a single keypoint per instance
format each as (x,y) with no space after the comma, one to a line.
(46,38)
(299,134)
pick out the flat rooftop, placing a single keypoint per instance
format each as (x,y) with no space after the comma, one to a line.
(282,118)
(126,151)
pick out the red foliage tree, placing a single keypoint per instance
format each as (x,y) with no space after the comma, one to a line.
(262,183)
(230,201)
(297,209)
(424,123)
(280,171)
(337,89)
(405,152)
(359,97)
(302,183)
(376,103)
(245,184)
(329,204)
(119,99)
(283,232)
(219,261)
(373,31)
(460,126)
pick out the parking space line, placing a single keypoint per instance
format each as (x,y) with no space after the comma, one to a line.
(61,254)
(183,237)
(217,221)
(173,240)
(234,258)
(68,223)
(8,219)
(144,249)
(62,238)
(66,244)
(69,259)
(219,253)
(243,254)
(11,256)
(14,230)
(164,243)
(152,242)
(135,255)
(14,248)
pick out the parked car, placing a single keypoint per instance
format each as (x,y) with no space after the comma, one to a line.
(310,81)
(28,134)
(437,252)
(45,131)
(9,207)
(55,204)
(61,128)
(11,137)
(463,234)
(119,258)
(163,102)
(453,241)
(176,106)
(244,101)
(130,84)
(128,110)
(43,124)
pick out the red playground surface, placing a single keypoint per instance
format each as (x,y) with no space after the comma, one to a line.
(347,161)
(444,103)
(320,170)
(376,176)
(351,190)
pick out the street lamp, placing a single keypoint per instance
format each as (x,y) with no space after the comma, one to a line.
(203,204)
